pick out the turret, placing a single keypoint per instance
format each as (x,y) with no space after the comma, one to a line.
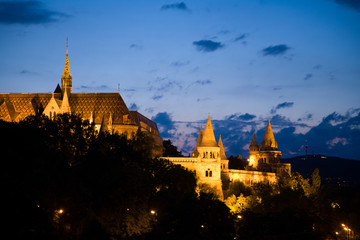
(254,146)
(268,143)
(222,151)
(208,139)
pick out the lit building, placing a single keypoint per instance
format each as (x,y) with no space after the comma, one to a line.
(107,111)
(211,166)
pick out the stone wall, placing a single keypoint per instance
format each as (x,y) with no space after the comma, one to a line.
(249,177)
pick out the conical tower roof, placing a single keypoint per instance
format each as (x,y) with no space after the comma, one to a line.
(208,139)
(254,146)
(268,142)
(222,152)
(201,133)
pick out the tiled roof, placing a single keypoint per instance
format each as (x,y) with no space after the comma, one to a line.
(16,106)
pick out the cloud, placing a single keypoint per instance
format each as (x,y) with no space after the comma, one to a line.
(135,46)
(165,124)
(275,50)
(133,107)
(354,4)
(199,82)
(280,106)
(203,82)
(244,117)
(317,67)
(27,12)
(207,45)
(101,87)
(341,139)
(241,37)
(308,76)
(179,63)
(175,6)
(28,72)
(157,97)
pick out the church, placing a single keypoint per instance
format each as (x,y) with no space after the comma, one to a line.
(107,111)
(211,166)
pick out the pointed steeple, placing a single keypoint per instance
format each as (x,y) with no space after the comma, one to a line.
(268,142)
(222,152)
(65,106)
(66,78)
(254,146)
(208,139)
(201,133)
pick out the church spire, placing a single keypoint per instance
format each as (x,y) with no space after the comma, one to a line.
(208,139)
(66,78)
(268,142)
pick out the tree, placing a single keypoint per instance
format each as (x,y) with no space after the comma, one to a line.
(170,150)
(236,162)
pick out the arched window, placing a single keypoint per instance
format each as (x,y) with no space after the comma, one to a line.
(208,173)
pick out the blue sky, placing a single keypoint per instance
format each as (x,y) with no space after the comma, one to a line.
(296,62)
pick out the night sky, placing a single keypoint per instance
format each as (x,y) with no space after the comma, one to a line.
(296,62)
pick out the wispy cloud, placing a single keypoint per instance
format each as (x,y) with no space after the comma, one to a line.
(28,72)
(135,46)
(275,50)
(157,97)
(27,12)
(175,6)
(241,37)
(280,106)
(180,63)
(207,45)
(308,76)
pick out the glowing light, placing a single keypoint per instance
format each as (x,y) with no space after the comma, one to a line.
(343,225)
(61,211)
(337,233)
(239,216)
(152,211)
(345,229)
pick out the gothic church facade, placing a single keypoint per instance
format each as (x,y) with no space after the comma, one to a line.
(107,111)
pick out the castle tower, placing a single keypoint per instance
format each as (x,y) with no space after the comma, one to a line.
(66,78)
(254,153)
(268,143)
(268,147)
(209,162)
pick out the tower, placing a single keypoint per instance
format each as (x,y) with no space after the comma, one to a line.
(268,147)
(268,143)
(254,152)
(207,152)
(66,78)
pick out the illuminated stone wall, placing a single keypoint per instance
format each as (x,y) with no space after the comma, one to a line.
(249,177)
